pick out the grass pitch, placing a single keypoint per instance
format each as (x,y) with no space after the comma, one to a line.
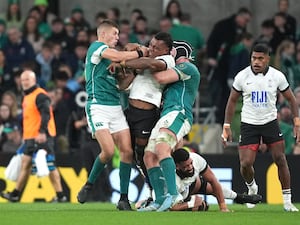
(106,214)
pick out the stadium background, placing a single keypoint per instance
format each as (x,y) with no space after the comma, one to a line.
(204,13)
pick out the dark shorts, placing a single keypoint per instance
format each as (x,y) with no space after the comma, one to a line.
(202,189)
(31,146)
(251,135)
(140,121)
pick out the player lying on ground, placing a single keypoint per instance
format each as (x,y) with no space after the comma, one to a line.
(193,177)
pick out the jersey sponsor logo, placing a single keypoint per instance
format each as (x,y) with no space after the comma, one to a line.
(280,134)
(145,132)
(259,96)
(249,83)
(99,124)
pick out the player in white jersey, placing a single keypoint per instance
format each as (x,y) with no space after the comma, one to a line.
(194,176)
(259,84)
(103,108)
(146,93)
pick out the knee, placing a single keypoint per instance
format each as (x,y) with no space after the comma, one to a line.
(246,163)
(150,160)
(280,159)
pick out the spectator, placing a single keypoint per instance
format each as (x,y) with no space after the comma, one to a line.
(114,14)
(291,22)
(59,35)
(266,35)
(61,114)
(44,59)
(13,14)
(140,31)
(69,27)
(6,81)
(82,36)
(6,118)
(285,61)
(285,123)
(296,67)
(219,43)
(78,19)
(46,15)
(185,31)
(135,13)
(17,49)
(14,137)
(280,32)
(43,27)
(68,96)
(9,98)
(173,11)
(3,35)
(100,16)
(59,57)
(78,64)
(32,35)
(165,24)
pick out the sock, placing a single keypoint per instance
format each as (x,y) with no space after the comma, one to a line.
(251,184)
(287,196)
(124,197)
(125,170)
(168,170)
(229,194)
(96,170)
(157,181)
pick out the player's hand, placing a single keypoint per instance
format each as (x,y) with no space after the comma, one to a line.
(114,66)
(226,134)
(297,129)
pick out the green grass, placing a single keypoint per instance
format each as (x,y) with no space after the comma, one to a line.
(106,214)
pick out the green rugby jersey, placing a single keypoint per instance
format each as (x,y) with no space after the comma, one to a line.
(181,95)
(101,85)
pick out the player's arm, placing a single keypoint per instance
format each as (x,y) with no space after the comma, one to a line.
(43,105)
(229,113)
(143,63)
(210,177)
(118,56)
(195,203)
(166,77)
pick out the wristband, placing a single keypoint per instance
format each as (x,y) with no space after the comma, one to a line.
(296,121)
(191,203)
(226,125)
(140,53)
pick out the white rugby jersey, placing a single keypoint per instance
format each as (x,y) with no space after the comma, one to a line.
(144,87)
(199,164)
(259,94)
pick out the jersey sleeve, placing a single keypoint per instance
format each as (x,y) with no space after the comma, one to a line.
(168,59)
(237,82)
(282,82)
(199,162)
(97,54)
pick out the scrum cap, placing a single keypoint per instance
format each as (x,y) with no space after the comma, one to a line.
(182,49)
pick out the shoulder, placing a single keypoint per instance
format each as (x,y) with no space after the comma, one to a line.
(168,59)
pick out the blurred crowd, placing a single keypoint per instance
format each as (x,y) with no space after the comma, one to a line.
(55,49)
